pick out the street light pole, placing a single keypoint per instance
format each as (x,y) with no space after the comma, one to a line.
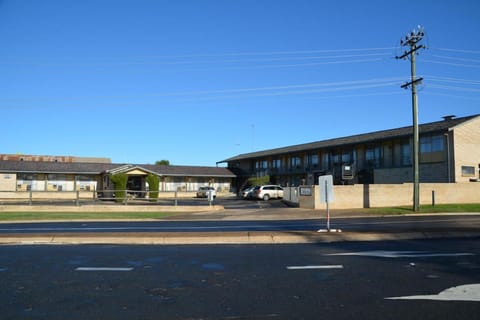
(412,40)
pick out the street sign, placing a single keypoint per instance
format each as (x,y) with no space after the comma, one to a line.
(325,184)
(305,191)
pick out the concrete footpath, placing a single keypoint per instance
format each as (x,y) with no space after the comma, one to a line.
(241,237)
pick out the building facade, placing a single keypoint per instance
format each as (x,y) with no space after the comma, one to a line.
(34,174)
(449,151)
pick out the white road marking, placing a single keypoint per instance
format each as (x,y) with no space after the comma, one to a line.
(2,269)
(315,267)
(469,292)
(400,254)
(102,269)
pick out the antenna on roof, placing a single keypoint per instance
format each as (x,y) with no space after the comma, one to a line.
(450,117)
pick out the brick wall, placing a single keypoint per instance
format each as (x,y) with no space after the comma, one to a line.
(388,195)
(466,142)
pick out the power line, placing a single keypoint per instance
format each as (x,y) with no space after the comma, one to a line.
(442,94)
(456,58)
(345,53)
(452,64)
(456,50)
(295,92)
(453,80)
(465,89)
(215,65)
(269,90)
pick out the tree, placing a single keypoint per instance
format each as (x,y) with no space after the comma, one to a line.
(162,163)
(259,181)
(153,185)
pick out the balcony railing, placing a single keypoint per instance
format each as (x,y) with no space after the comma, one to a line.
(287,171)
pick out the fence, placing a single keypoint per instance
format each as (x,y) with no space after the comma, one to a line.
(78,197)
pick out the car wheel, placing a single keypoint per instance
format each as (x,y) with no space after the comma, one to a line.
(266,197)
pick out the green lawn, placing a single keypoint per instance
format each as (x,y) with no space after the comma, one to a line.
(34,216)
(38,216)
(439,208)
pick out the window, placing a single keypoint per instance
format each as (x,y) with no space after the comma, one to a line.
(406,154)
(313,160)
(346,157)
(325,161)
(58,182)
(24,181)
(431,149)
(372,156)
(295,162)
(335,159)
(276,163)
(25,176)
(264,164)
(431,144)
(468,171)
(261,164)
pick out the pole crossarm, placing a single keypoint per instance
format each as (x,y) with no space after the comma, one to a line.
(408,53)
(408,84)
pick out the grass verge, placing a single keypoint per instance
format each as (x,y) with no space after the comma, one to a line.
(439,208)
(38,216)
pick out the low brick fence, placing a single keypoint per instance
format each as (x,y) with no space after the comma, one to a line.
(388,195)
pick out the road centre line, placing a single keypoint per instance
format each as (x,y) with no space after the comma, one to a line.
(315,267)
(102,269)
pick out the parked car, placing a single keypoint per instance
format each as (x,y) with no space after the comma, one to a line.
(248,193)
(203,192)
(267,192)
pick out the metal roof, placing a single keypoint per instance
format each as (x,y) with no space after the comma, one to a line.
(403,132)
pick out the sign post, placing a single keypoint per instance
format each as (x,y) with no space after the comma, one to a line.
(210,197)
(325,184)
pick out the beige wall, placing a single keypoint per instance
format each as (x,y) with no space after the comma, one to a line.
(51,195)
(466,139)
(8,181)
(388,195)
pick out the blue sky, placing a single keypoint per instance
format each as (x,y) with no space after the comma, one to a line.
(196,82)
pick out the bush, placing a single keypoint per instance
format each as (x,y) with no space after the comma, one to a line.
(120,182)
(153,185)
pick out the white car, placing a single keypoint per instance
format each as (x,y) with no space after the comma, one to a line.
(267,192)
(203,192)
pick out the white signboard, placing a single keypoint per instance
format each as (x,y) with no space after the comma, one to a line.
(325,184)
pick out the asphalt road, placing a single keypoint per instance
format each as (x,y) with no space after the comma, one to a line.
(375,224)
(427,279)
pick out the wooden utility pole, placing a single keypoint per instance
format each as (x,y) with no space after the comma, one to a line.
(411,40)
